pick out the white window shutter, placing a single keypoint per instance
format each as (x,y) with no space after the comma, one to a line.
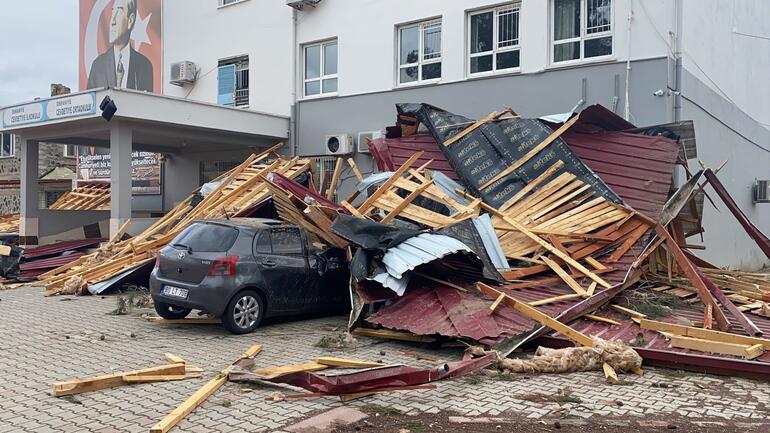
(226,85)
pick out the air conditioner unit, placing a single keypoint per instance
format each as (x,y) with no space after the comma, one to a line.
(339,144)
(299,4)
(365,137)
(183,73)
(762,191)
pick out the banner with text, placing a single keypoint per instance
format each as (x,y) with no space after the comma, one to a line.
(95,164)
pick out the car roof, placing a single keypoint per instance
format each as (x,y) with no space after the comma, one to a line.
(246,222)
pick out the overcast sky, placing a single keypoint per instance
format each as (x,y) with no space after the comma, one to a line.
(38,46)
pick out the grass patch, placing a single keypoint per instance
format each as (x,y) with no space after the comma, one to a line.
(414,426)
(473,379)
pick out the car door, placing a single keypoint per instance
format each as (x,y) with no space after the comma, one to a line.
(283,267)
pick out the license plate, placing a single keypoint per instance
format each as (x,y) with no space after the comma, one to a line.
(176,292)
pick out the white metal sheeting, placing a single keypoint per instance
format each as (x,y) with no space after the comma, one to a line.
(413,252)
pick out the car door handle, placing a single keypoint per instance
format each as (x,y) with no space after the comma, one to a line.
(268,263)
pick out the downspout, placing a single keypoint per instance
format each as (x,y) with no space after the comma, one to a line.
(678,61)
(294,72)
(627,103)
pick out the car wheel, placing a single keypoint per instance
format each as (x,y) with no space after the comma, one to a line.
(171,312)
(244,312)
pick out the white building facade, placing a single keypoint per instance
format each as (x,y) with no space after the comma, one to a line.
(339,66)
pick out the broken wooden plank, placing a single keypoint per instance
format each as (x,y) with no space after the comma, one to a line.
(331,361)
(141,378)
(628,312)
(602,319)
(200,396)
(565,276)
(393,335)
(705,334)
(496,304)
(553,299)
(274,372)
(5,250)
(610,374)
(173,359)
(719,347)
(335,178)
(95,383)
(538,316)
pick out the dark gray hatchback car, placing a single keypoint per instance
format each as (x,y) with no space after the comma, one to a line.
(244,270)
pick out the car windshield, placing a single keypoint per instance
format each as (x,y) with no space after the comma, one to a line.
(206,237)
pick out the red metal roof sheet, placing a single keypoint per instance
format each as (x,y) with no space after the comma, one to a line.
(391,153)
(60,247)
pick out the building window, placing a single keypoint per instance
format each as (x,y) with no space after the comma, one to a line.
(320,76)
(419,52)
(69,151)
(582,29)
(7,146)
(233,82)
(493,40)
(229,2)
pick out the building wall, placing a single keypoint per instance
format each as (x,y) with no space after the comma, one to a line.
(203,33)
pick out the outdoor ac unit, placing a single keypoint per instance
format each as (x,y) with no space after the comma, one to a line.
(762,191)
(364,137)
(183,73)
(339,144)
(299,4)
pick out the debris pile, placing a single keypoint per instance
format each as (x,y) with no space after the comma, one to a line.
(502,231)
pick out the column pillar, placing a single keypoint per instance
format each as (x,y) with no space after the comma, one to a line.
(29,185)
(121,144)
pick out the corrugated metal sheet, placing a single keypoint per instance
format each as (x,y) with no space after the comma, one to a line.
(391,153)
(413,252)
(60,247)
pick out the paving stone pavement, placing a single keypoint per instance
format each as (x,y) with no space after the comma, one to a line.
(44,340)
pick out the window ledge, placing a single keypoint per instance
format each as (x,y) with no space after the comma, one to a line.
(482,75)
(320,96)
(422,83)
(8,157)
(582,62)
(231,4)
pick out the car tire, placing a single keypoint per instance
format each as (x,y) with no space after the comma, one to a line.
(244,312)
(171,312)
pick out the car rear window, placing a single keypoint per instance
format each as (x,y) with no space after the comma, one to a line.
(206,237)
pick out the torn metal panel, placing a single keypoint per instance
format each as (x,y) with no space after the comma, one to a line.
(371,379)
(679,200)
(60,247)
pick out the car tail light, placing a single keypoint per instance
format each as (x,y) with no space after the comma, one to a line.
(157,259)
(223,267)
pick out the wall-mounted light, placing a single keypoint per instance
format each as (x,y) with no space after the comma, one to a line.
(108,108)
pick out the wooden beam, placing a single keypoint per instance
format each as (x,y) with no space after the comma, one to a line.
(200,396)
(596,318)
(173,359)
(355,169)
(567,259)
(628,312)
(393,335)
(5,250)
(496,304)
(538,316)
(89,384)
(273,372)
(534,151)
(159,378)
(742,350)
(457,137)
(610,373)
(701,333)
(331,361)
(388,183)
(406,202)
(121,231)
(553,299)
(335,178)
(565,276)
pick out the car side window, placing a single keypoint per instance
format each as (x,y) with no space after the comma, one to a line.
(286,240)
(262,243)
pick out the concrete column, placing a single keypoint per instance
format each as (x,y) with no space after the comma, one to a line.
(121,143)
(30,175)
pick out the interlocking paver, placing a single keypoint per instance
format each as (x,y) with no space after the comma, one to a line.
(44,340)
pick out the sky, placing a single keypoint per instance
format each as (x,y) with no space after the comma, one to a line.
(38,46)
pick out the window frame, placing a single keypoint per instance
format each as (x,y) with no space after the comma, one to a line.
(516,6)
(583,36)
(222,4)
(239,62)
(421,61)
(321,69)
(74,148)
(13,145)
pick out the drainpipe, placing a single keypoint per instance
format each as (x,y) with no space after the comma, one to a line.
(678,61)
(627,103)
(294,72)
